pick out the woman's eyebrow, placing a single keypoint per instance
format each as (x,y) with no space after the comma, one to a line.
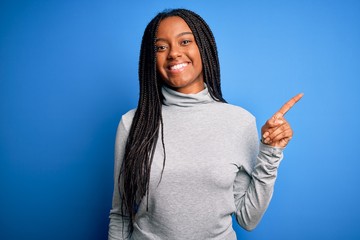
(179,35)
(184,33)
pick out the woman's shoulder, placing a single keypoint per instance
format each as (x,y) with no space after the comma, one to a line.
(236,112)
(129,114)
(127,118)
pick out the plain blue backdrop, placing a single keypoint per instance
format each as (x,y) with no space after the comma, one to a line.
(68,71)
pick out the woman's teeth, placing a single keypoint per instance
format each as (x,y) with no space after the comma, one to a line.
(178,66)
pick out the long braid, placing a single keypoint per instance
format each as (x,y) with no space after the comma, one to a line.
(144,131)
(147,123)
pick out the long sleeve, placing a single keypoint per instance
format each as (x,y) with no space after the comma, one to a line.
(117,225)
(253,189)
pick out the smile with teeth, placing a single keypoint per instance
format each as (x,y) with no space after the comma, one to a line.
(178,67)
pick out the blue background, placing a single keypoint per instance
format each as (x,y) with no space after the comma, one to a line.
(68,71)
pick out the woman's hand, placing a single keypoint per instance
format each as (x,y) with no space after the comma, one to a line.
(276,131)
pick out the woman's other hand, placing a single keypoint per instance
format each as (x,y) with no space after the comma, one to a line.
(276,131)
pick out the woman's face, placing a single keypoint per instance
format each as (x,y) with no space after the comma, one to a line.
(178,57)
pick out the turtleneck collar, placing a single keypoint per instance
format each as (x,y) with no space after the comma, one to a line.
(174,98)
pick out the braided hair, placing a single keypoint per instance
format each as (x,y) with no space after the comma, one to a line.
(147,125)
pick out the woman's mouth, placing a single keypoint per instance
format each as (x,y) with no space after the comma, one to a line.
(178,67)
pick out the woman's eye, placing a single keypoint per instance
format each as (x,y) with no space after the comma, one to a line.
(186,42)
(160,48)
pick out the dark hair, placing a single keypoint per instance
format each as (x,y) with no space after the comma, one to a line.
(147,122)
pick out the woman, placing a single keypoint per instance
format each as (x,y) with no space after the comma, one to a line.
(185,160)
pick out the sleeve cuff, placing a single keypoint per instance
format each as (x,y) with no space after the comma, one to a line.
(271,154)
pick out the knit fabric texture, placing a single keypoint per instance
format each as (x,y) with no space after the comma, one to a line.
(215,167)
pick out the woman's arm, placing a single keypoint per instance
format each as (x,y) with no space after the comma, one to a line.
(253,188)
(118,224)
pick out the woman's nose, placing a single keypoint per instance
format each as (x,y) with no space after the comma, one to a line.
(174,52)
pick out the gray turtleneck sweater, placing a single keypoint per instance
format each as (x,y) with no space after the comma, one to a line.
(215,167)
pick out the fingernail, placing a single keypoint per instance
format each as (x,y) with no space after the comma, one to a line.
(266,134)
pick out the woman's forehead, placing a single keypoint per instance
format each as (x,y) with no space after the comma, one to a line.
(172,26)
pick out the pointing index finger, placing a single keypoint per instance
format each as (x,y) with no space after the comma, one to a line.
(287,106)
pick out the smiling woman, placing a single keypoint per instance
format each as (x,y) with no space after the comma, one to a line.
(178,57)
(185,160)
